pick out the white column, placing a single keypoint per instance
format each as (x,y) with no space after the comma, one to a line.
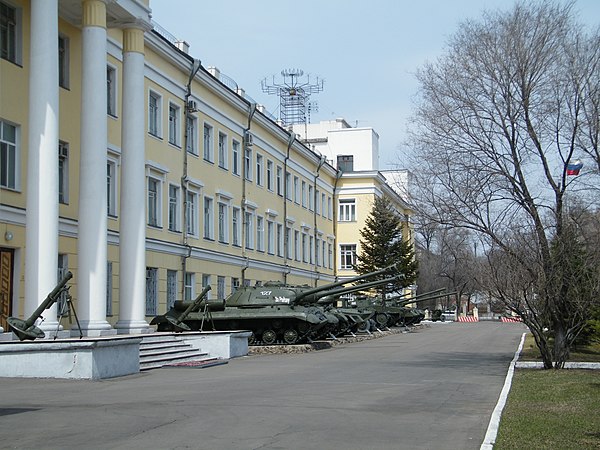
(41,252)
(92,233)
(132,236)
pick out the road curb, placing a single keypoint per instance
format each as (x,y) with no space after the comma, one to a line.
(492,430)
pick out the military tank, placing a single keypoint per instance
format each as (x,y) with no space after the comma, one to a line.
(273,312)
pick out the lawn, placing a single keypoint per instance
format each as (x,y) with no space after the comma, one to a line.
(551,409)
(589,353)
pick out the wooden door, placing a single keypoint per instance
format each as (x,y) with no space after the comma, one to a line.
(6,275)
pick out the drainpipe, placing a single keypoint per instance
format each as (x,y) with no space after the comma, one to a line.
(184,178)
(315,248)
(245,146)
(338,175)
(286,243)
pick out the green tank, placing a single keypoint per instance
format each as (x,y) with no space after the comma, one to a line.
(275,313)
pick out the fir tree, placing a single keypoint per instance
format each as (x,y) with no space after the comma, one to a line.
(382,245)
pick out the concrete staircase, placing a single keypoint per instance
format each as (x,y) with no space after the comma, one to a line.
(157,351)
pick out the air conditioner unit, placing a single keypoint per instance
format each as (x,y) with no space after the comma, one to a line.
(192,106)
(248,139)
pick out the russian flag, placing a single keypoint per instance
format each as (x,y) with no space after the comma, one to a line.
(574,168)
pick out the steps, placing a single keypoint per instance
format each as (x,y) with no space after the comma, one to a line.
(157,351)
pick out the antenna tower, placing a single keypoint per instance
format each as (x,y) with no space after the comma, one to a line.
(294,92)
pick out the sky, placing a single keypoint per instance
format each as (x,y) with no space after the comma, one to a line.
(366,52)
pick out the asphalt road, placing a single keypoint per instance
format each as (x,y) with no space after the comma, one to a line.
(434,388)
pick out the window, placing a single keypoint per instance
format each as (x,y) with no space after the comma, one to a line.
(10,33)
(151,290)
(310,198)
(311,249)
(154,118)
(62,308)
(279,239)
(260,234)
(174,119)
(270,175)
(192,213)
(111,188)
(235,226)
(235,147)
(296,190)
(323,205)
(347,211)
(248,163)
(171,288)
(189,286)
(208,218)
(304,248)
(330,255)
(63,61)
(317,204)
(279,180)
(223,223)
(9,157)
(345,163)
(63,172)
(220,287)
(191,144)
(270,237)
(223,150)
(297,245)
(249,222)
(259,170)
(153,202)
(288,185)
(174,211)
(288,238)
(206,282)
(347,256)
(329,207)
(304,194)
(208,142)
(111,91)
(235,284)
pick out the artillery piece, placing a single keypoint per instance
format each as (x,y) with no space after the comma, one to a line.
(176,321)
(273,312)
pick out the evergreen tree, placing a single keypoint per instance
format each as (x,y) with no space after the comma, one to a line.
(382,245)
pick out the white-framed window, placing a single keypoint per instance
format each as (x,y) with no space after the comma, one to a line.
(278,181)
(260,234)
(323,205)
(151,290)
(207,142)
(222,146)
(347,256)
(191,205)
(63,172)
(296,190)
(329,209)
(288,185)
(347,210)
(270,237)
(296,245)
(154,201)
(191,144)
(235,284)
(64,57)
(235,227)
(288,238)
(111,186)
(310,198)
(174,125)
(189,286)
(235,157)
(311,249)
(317,202)
(304,193)
(111,91)
(304,247)
(9,155)
(269,175)
(220,287)
(154,114)
(206,282)
(223,223)
(248,163)
(259,170)
(11,26)
(279,239)
(171,288)
(174,207)
(249,224)
(330,255)
(208,218)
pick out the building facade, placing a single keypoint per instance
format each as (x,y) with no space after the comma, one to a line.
(126,162)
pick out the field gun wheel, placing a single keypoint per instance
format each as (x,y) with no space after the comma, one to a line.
(290,336)
(364,326)
(269,337)
(252,338)
(381,319)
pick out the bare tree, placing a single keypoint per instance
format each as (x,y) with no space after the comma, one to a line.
(500,117)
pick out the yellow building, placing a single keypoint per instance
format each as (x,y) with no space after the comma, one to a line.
(126,162)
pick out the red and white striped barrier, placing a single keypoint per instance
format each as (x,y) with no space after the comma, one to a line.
(467,319)
(510,319)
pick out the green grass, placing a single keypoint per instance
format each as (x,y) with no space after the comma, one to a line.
(589,353)
(551,409)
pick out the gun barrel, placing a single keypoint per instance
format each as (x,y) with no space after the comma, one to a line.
(194,304)
(50,299)
(333,293)
(433,297)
